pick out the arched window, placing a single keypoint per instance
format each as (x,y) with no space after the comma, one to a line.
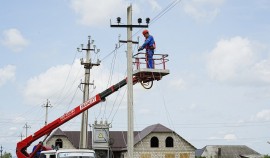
(169,142)
(59,143)
(154,142)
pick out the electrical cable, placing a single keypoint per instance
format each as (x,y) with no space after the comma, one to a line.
(119,91)
(110,79)
(68,92)
(38,109)
(72,99)
(170,122)
(119,105)
(170,6)
(158,16)
(62,90)
(113,105)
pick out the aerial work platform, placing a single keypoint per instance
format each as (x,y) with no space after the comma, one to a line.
(144,74)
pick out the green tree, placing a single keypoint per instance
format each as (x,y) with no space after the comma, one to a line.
(266,156)
(7,155)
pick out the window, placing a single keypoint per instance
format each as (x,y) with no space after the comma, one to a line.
(169,142)
(59,143)
(154,142)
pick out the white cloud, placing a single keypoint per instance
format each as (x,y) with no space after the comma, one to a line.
(14,40)
(213,138)
(144,111)
(203,9)
(178,83)
(96,13)
(237,60)
(154,5)
(262,70)
(7,73)
(13,128)
(263,115)
(51,84)
(229,58)
(19,119)
(230,137)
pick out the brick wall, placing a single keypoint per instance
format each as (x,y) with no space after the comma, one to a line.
(180,149)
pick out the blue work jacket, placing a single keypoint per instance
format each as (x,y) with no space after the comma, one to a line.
(149,42)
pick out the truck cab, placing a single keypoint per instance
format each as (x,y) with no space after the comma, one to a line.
(68,153)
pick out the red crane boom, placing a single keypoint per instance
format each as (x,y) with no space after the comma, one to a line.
(21,149)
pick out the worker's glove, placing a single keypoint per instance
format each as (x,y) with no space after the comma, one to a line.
(140,49)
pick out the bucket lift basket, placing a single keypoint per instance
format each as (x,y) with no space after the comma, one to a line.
(145,74)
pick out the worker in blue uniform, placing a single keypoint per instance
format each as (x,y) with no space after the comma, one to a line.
(150,46)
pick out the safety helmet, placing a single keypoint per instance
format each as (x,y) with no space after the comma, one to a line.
(145,32)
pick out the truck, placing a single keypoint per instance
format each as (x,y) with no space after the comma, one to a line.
(68,153)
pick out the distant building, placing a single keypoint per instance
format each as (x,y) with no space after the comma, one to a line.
(155,141)
(227,151)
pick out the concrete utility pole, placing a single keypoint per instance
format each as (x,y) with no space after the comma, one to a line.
(26,129)
(129,26)
(46,106)
(130,84)
(87,65)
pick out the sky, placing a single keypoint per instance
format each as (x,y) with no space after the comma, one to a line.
(217,92)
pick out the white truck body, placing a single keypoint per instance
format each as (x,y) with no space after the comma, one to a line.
(68,153)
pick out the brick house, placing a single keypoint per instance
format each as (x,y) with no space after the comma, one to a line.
(155,141)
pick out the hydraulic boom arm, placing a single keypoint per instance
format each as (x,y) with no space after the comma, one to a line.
(21,149)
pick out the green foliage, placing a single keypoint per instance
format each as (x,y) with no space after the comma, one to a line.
(266,156)
(200,157)
(7,155)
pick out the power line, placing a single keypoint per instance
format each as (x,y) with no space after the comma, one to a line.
(158,16)
(62,90)
(110,79)
(164,11)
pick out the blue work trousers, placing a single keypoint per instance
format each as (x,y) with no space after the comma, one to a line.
(150,61)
